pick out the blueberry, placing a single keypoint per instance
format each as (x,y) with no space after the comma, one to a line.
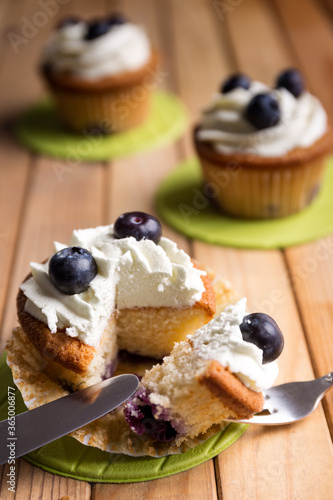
(142,420)
(139,225)
(263,111)
(68,21)
(72,269)
(96,29)
(261,330)
(234,81)
(292,80)
(117,20)
(161,430)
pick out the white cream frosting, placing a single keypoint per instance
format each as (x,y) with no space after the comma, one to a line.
(131,274)
(221,339)
(303,121)
(124,48)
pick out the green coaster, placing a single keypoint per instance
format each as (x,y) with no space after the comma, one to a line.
(182,203)
(39,129)
(67,457)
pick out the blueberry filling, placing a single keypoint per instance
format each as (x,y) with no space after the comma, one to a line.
(146,418)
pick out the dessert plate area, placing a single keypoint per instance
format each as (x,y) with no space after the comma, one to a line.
(182,203)
(39,129)
(67,457)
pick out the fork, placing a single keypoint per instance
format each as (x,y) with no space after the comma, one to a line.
(288,403)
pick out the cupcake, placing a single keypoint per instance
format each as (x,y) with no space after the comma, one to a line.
(117,287)
(100,73)
(263,150)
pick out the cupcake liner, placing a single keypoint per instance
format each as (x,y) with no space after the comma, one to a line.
(264,192)
(67,457)
(112,111)
(257,187)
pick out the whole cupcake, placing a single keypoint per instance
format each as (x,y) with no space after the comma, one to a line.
(263,150)
(101,73)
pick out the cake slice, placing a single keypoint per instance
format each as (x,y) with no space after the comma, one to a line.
(215,374)
(118,287)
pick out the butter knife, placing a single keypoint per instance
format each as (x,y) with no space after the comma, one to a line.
(32,429)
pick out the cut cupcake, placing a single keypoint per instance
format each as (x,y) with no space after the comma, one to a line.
(101,74)
(214,375)
(147,295)
(263,150)
(195,388)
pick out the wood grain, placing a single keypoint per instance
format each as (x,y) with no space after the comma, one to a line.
(195,484)
(34,483)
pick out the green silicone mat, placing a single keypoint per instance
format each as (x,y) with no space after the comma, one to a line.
(39,129)
(182,204)
(67,457)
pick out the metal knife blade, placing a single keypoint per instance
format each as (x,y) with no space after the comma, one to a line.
(42,425)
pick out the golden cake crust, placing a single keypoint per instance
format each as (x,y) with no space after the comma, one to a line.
(231,391)
(68,81)
(295,158)
(68,351)
(208,298)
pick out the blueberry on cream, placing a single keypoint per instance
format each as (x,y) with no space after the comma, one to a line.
(72,269)
(97,29)
(292,80)
(117,20)
(262,330)
(235,81)
(263,111)
(139,225)
(290,116)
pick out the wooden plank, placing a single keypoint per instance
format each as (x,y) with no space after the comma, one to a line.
(327,6)
(196,484)
(32,482)
(309,30)
(261,26)
(14,167)
(200,62)
(312,276)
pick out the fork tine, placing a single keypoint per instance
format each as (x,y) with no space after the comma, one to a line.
(288,403)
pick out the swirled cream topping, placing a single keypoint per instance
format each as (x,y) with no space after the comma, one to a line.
(223,124)
(221,339)
(131,274)
(123,48)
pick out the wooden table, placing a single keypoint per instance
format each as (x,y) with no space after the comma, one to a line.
(202,41)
